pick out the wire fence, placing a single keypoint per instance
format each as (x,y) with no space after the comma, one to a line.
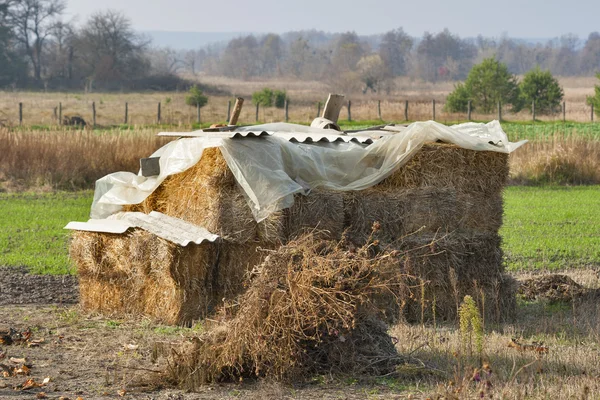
(74,110)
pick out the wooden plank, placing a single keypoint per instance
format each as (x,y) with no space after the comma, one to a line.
(237,109)
(333,106)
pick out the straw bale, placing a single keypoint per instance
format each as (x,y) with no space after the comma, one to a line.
(309,308)
(206,195)
(139,273)
(445,165)
(445,269)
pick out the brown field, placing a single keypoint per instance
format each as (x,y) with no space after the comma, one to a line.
(38,107)
(94,357)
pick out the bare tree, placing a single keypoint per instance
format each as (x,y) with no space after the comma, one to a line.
(110,50)
(33,22)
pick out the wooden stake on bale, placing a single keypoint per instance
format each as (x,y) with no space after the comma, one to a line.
(237,109)
(333,106)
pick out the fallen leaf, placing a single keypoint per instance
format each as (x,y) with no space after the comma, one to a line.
(18,360)
(41,395)
(46,380)
(24,370)
(29,384)
(6,374)
(122,392)
(79,398)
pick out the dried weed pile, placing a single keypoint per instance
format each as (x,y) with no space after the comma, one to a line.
(311,306)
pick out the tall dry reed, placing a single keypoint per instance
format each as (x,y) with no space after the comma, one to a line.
(558,159)
(67,159)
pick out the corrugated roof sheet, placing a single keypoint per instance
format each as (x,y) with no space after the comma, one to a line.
(172,229)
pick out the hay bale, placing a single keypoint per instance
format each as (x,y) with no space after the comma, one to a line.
(443,191)
(140,273)
(445,269)
(444,165)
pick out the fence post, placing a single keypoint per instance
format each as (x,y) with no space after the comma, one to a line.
(469,110)
(499,112)
(257,104)
(198,112)
(564,111)
(60,114)
(286,105)
(533,109)
(93,114)
(318,109)
(406,110)
(433,107)
(126,113)
(158,113)
(349,111)
(379,110)
(228,110)
(20,114)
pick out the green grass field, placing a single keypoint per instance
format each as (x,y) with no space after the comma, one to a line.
(31,229)
(544,228)
(552,228)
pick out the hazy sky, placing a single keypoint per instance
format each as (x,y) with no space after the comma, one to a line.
(517,18)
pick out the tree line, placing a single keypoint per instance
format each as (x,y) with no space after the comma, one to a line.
(40,49)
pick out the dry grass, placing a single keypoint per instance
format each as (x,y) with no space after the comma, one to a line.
(563,361)
(311,307)
(67,159)
(572,160)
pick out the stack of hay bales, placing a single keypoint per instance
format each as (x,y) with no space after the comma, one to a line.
(443,208)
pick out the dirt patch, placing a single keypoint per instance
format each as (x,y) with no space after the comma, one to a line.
(18,286)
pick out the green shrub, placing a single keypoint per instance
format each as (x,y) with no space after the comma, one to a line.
(595,100)
(458,100)
(269,98)
(487,84)
(541,87)
(263,97)
(279,98)
(196,98)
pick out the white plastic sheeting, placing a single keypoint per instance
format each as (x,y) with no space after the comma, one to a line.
(271,169)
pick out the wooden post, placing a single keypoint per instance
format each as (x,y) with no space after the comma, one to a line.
(533,110)
(158,114)
(126,113)
(499,112)
(257,104)
(564,111)
(333,106)
(318,109)
(237,109)
(379,109)
(60,121)
(469,110)
(433,107)
(20,114)
(349,110)
(93,114)
(198,112)
(406,110)
(228,111)
(286,105)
